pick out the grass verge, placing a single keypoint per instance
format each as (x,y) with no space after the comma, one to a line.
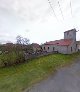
(19,77)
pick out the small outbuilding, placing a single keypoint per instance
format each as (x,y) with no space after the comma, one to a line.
(36,47)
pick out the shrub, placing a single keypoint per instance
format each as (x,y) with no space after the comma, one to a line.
(11,58)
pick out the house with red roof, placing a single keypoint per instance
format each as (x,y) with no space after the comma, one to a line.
(67,45)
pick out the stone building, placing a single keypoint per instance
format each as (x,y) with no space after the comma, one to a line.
(67,45)
(36,47)
(78,42)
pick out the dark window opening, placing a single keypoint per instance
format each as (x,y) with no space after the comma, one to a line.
(44,48)
(53,48)
(57,43)
(71,49)
(76,45)
(48,48)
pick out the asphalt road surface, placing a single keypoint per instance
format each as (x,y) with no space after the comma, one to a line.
(65,80)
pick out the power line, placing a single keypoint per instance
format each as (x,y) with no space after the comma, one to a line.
(71,8)
(60,10)
(72,14)
(52,9)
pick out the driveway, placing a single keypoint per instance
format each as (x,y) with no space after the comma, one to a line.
(65,80)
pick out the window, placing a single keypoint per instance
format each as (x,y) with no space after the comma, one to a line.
(76,45)
(53,48)
(57,43)
(48,48)
(71,49)
(44,48)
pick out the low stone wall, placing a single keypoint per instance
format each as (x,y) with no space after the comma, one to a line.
(30,56)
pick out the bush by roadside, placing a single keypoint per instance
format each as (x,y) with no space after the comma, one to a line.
(11,58)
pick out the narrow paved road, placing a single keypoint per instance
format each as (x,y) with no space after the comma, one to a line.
(65,80)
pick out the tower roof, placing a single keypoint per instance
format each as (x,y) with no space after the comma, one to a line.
(70,30)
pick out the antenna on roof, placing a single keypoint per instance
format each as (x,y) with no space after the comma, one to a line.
(77,30)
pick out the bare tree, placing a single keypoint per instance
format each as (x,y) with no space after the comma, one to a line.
(19,39)
(26,41)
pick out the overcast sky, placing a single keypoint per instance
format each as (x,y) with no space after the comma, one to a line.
(34,19)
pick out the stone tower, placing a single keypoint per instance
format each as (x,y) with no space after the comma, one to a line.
(70,34)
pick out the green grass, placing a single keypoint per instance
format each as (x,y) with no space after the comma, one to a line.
(18,78)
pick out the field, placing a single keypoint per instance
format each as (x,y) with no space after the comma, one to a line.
(19,77)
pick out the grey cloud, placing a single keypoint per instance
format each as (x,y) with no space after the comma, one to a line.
(27,9)
(18,15)
(32,10)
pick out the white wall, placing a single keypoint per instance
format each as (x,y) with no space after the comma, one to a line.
(74,48)
(60,49)
(50,48)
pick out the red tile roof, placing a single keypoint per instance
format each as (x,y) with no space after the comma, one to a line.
(62,42)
